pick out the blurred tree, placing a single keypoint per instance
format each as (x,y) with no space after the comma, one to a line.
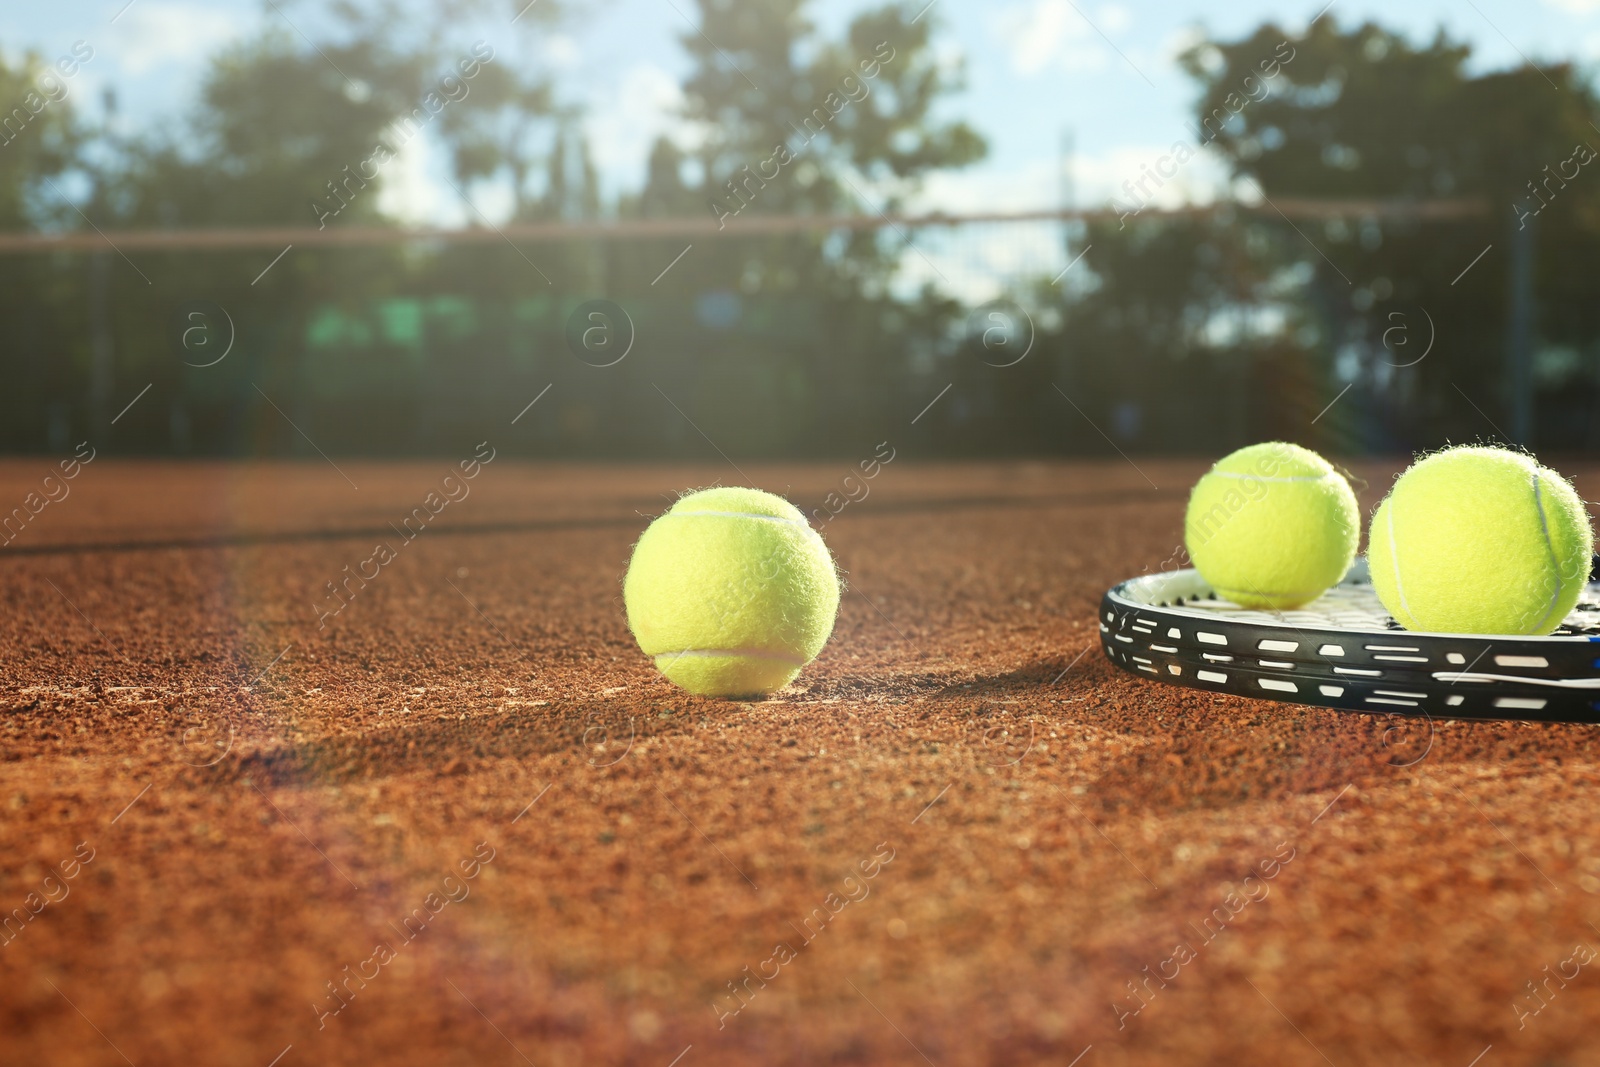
(306,134)
(280,137)
(572,186)
(289,130)
(1364,113)
(40,137)
(860,107)
(790,121)
(665,192)
(504,135)
(505,128)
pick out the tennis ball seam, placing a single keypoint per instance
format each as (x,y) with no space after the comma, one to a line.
(1550,550)
(1394,562)
(1250,476)
(742,653)
(739,515)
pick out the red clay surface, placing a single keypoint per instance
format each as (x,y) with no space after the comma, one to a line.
(267,802)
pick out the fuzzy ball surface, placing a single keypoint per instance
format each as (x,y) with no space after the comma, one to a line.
(1480,541)
(1272,525)
(731,592)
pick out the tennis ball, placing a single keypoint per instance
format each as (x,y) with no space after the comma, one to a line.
(1272,526)
(1480,541)
(731,592)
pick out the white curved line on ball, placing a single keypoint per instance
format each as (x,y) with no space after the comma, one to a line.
(1394,561)
(741,515)
(1275,478)
(1550,550)
(742,653)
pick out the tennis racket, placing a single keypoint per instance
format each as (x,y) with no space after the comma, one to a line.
(1345,651)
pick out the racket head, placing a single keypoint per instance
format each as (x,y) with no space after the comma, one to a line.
(1344,651)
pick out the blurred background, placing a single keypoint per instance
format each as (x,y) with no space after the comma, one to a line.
(780,228)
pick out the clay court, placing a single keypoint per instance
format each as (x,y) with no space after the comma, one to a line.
(976,841)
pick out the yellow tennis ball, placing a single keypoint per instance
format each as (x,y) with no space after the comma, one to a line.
(1272,526)
(731,592)
(1480,541)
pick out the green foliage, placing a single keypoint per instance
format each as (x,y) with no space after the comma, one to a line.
(1174,334)
(40,138)
(503,131)
(1365,113)
(858,108)
(277,127)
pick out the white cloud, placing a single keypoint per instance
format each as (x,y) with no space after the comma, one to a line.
(414,192)
(1044,33)
(623,123)
(1100,179)
(562,52)
(1114,18)
(1574,7)
(164,34)
(1033,187)
(1096,180)
(628,116)
(978,263)
(1035,33)
(87,89)
(1177,42)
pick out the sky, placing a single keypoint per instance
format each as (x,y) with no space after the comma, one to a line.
(1102,72)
